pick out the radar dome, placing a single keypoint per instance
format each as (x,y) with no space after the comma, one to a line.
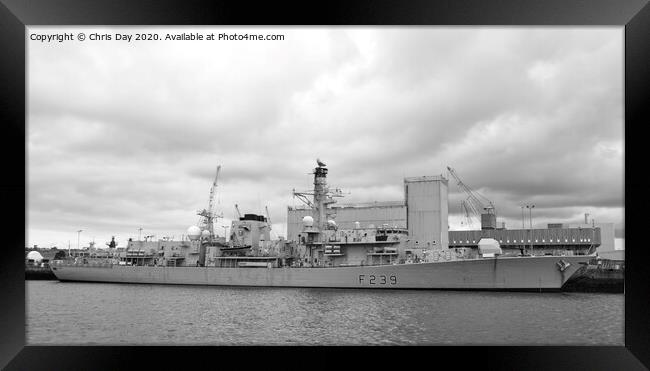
(357,225)
(331,223)
(194,232)
(205,233)
(308,221)
(35,256)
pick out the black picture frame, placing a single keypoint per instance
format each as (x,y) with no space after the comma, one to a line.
(634,15)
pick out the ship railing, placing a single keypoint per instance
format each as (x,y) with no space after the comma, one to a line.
(97,264)
(84,264)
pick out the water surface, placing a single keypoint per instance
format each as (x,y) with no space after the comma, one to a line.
(134,314)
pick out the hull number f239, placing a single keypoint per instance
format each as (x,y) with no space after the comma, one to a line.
(371,279)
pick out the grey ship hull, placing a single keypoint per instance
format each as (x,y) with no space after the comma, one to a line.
(505,273)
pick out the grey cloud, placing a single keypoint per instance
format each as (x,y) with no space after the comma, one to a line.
(129,135)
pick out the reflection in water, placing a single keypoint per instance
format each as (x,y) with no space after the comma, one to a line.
(88,313)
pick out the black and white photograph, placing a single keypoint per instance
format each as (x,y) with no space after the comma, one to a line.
(325,185)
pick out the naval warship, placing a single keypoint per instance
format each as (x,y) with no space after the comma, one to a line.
(324,255)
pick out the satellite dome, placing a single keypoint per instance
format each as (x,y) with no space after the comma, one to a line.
(489,246)
(308,221)
(357,225)
(35,256)
(331,223)
(194,232)
(205,233)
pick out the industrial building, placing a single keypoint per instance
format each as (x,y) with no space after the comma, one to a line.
(540,240)
(427,211)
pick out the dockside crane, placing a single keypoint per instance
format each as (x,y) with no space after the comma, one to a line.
(472,206)
(467,213)
(268,215)
(208,216)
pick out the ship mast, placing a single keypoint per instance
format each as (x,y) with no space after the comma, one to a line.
(321,196)
(209,216)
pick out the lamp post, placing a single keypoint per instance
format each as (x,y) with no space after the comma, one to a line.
(530,217)
(523,227)
(79,237)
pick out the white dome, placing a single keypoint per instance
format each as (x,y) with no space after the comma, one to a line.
(489,246)
(357,225)
(205,233)
(35,256)
(331,223)
(194,232)
(308,221)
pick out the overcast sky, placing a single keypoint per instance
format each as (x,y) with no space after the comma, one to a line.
(126,135)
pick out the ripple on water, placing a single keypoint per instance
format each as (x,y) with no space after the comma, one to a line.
(84,313)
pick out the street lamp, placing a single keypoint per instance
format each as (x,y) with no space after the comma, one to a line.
(530,217)
(79,237)
(523,227)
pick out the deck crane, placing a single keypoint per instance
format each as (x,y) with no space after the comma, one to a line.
(208,216)
(472,206)
(237,210)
